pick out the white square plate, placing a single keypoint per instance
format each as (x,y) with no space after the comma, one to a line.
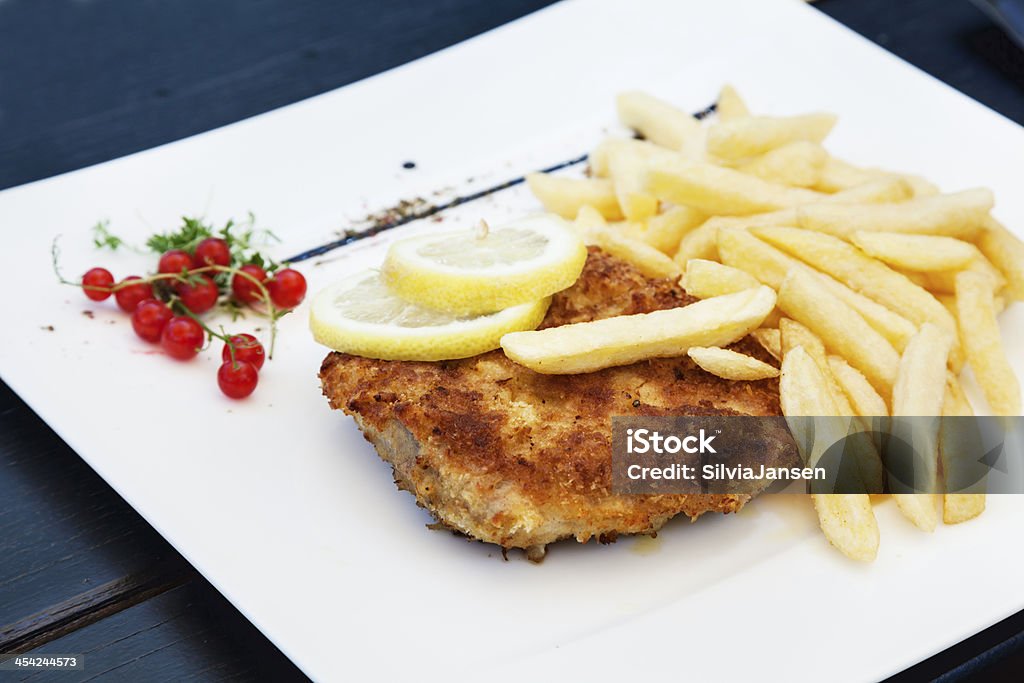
(284,507)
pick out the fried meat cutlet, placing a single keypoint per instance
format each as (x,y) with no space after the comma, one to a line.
(509,456)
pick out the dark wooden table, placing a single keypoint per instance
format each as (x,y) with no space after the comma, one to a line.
(83,82)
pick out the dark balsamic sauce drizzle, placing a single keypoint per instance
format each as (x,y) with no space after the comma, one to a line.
(351,236)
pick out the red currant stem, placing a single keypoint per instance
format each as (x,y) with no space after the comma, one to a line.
(271,311)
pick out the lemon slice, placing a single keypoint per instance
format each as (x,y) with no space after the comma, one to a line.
(362,316)
(481,271)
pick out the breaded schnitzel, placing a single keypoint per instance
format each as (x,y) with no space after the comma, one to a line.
(512,457)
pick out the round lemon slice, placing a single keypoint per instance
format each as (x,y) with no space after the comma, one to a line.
(362,316)
(469,272)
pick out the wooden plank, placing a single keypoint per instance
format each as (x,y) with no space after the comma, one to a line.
(63,531)
(96,80)
(89,607)
(189,632)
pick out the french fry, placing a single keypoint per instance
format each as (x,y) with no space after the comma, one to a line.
(657,121)
(861,447)
(983,344)
(1006,251)
(665,230)
(730,105)
(770,340)
(837,175)
(944,282)
(881,191)
(861,273)
(721,191)
(704,279)
(754,135)
(729,364)
(862,396)
(919,391)
(564,196)
(847,521)
(849,524)
(962,214)
(701,243)
(626,169)
(600,157)
(588,217)
(646,258)
(797,164)
(921,383)
(841,328)
(961,507)
(957,507)
(793,334)
(915,252)
(742,250)
(586,347)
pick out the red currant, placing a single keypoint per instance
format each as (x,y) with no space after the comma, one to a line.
(287,288)
(149,319)
(244,289)
(96,283)
(182,337)
(174,261)
(213,251)
(129,297)
(247,349)
(238,379)
(199,297)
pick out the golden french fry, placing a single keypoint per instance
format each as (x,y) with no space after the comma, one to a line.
(626,168)
(861,273)
(701,243)
(667,229)
(719,190)
(585,347)
(600,157)
(797,164)
(919,391)
(657,121)
(730,105)
(793,334)
(588,217)
(921,383)
(957,507)
(849,524)
(564,196)
(847,521)
(646,258)
(754,135)
(704,279)
(838,175)
(944,282)
(983,344)
(1006,251)
(770,340)
(961,507)
(740,249)
(955,401)
(729,364)
(840,327)
(881,191)
(916,252)
(862,396)
(863,448)
(962,214)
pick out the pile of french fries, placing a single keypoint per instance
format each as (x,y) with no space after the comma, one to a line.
(872,288)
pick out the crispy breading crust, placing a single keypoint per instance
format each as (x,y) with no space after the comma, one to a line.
(520,459)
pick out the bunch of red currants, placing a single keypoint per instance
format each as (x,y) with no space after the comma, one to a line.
(165,307)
